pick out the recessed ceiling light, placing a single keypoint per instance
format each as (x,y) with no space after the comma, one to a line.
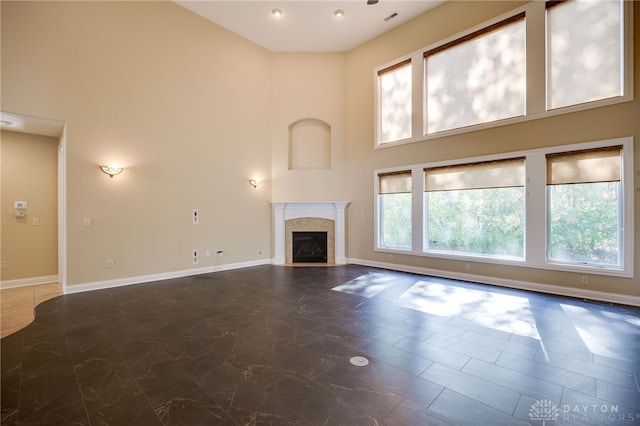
(339,13)
(276,12)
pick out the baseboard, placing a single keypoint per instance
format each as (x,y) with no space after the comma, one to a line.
(517,284)
(23,282)
(100,285)
(520,285)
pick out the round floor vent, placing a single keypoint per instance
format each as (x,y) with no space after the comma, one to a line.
(359,361)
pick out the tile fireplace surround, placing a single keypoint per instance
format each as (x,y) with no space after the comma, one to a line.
(305,216)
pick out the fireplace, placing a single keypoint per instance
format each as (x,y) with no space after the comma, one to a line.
(328,217)
(309,247)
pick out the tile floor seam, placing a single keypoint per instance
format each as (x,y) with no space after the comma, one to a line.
(75,373)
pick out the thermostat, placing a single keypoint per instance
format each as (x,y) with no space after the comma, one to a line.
(20,205)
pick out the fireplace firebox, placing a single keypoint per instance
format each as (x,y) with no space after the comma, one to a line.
(309,247)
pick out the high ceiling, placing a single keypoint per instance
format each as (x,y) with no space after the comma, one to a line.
(308,26)
(304,26)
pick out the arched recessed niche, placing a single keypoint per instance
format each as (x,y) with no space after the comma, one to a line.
(309,145)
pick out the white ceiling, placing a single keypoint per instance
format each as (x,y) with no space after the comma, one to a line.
(308,25)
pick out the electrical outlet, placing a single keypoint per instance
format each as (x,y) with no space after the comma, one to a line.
(585,280)
(194,256)
(35,221)
(86,221)
(467,267)
(110,263)
(195,216)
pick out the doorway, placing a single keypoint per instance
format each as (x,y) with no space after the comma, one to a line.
(37,216)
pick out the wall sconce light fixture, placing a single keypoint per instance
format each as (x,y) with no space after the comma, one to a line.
(111,170)
(255,182)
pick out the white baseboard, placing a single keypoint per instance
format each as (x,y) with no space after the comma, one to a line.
(100,285)
(517,284)
(520,285)
(23,282)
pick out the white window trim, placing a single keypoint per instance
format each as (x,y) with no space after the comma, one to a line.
(536,102)
(535,210)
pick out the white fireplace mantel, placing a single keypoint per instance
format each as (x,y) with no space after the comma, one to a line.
(332,210)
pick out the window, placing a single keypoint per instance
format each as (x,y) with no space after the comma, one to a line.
(478,78)
(585,206)
(537,61)
(476,208)
(584,51)
(395,102)
(394,202)
(566,208)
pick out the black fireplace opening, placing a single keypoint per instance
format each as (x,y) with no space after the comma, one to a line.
(309,247)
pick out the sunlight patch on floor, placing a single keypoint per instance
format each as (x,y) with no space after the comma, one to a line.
(367,285)
(595,330)
(498,311)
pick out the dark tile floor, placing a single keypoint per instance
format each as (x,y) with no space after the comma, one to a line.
(272,346)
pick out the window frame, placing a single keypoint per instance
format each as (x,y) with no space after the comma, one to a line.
(536,208)
(519,18)
(480,178)
(536,76)
(380,74)
(379,220)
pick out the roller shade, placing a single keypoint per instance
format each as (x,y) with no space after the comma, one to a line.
(490,174)
(395,182)
(588,166)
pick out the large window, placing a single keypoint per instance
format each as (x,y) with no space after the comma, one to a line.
(476,208)
(477,79)
(564,208)
(394,201)
(585,207)
(395,102)
(584,51)
(539,60)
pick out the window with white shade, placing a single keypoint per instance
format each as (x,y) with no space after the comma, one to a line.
(566,208)
(395,102)
(394,210)
(536,61)
(585,207)
(476,208)
(584,51)
(478,78)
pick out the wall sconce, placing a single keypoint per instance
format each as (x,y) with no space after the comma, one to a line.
(111,170)
(255,182)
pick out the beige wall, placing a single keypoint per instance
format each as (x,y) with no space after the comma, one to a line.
(444,21)
(181,103)
(309,85)
(193,111)
(29,172)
